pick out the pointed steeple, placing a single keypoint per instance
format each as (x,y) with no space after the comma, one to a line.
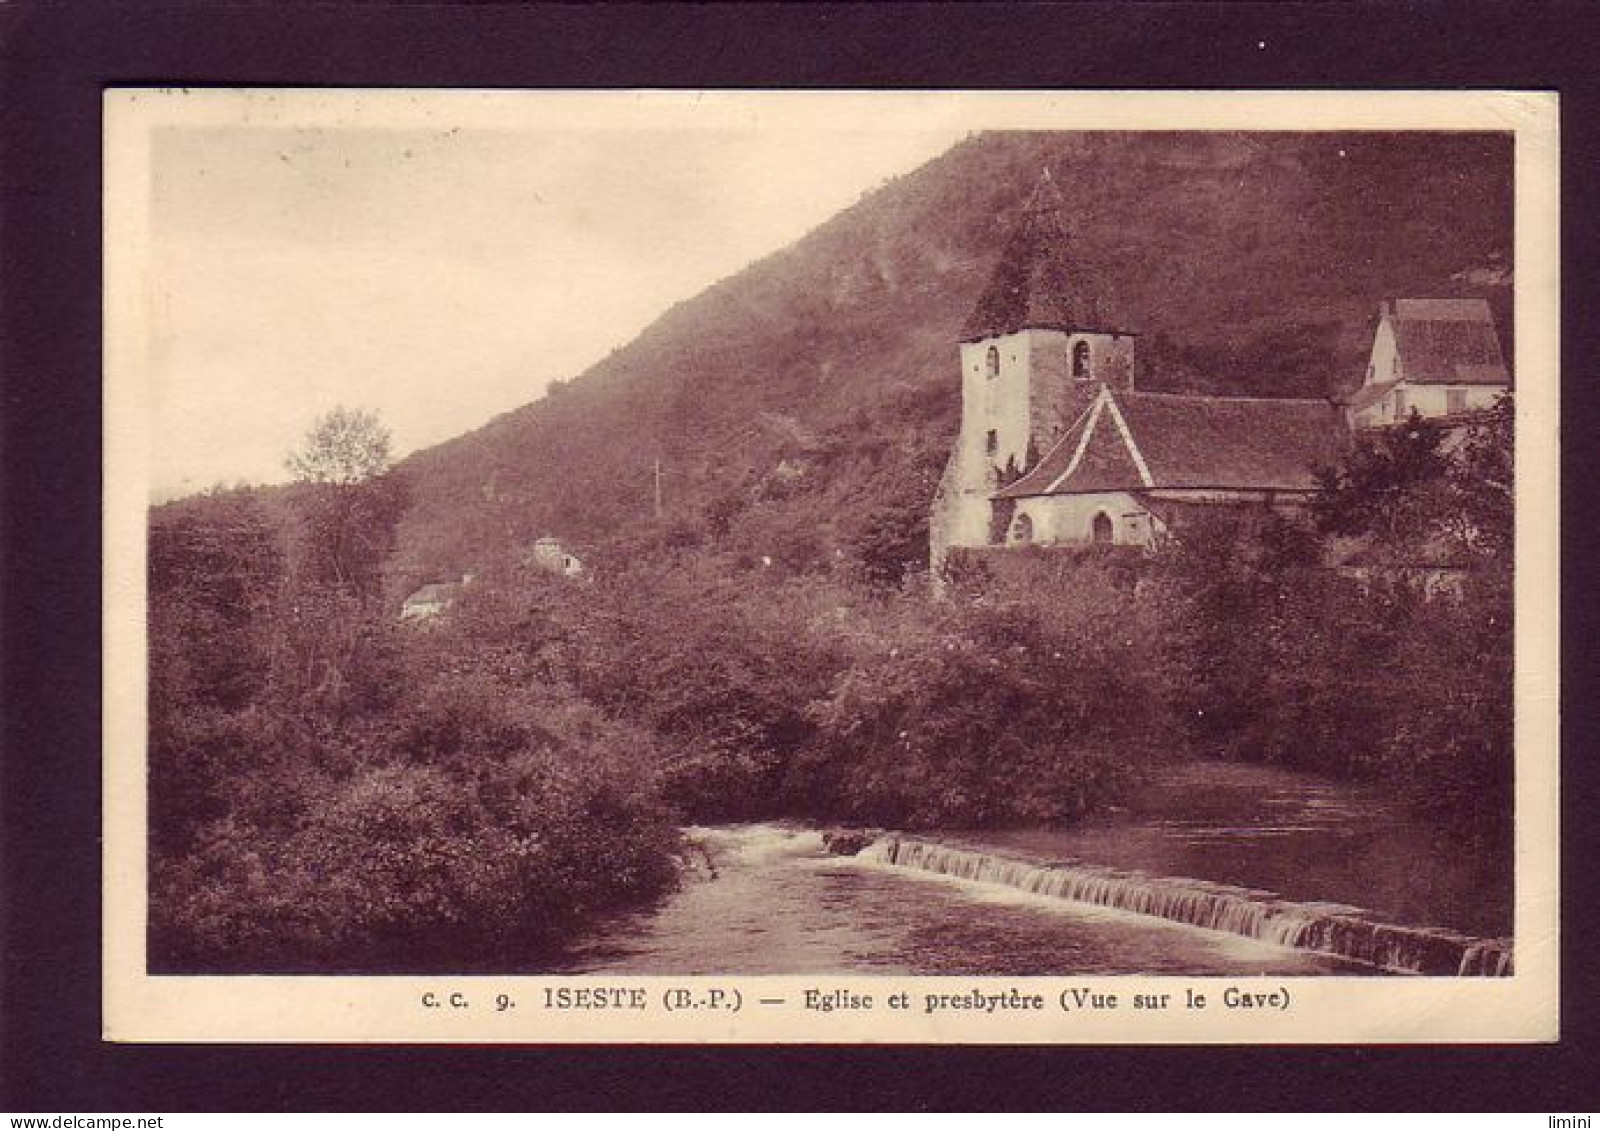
(1046,198)
(1034,285)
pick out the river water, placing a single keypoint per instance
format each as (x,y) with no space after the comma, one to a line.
(770,899)
(1298,835)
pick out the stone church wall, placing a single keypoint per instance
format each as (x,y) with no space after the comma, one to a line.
(1019,393)
(995,398)
(1070,518)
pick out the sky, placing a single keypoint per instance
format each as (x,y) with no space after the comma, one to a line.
(444,268)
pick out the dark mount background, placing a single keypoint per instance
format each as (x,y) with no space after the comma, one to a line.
(825,376)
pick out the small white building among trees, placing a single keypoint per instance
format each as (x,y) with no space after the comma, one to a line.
(430,600)
(549,554)
(1438,357)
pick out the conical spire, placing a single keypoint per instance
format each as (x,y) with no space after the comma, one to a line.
(1033,286)
(1046,199)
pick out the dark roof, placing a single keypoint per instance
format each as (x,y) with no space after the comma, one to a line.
(1448,341)
(1032,284)
(1247,442)
(1233,443)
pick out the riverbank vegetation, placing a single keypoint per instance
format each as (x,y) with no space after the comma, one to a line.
(333,789)
(330,791)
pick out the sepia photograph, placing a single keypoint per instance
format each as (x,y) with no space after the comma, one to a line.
(833,539)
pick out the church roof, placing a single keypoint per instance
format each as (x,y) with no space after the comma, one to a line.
(1447,341)
(1032,285)
(1144,441)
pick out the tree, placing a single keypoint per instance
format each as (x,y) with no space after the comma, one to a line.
(350,502)
(890,540)
(214,572)
(1482,481)
(1409,494)
(1384,486)
(345,447)
(214,576)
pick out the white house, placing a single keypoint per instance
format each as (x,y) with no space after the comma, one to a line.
(1439,356)
(549,554)
(429,601)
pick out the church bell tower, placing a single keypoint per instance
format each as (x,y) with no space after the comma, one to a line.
(1034,352)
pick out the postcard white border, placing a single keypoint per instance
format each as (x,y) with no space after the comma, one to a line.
(1522,1008)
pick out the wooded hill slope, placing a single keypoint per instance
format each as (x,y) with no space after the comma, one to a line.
(819,386)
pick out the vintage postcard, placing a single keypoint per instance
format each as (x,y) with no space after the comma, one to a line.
(831,567)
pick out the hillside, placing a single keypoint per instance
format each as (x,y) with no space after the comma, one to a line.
(787,401)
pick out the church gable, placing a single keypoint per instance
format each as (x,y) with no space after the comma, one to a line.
(1094,455)
(1108,463)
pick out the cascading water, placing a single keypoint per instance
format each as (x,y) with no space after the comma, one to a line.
(1327,928)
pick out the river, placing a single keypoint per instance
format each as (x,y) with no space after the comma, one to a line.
(1261,855)
(771,900)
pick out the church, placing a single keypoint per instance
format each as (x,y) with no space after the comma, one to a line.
(1058,447)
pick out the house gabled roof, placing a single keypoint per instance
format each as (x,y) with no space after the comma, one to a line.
(1447,341)
(1033,286)
(1144,441)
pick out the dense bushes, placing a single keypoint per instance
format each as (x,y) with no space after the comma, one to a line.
(1395,666)
(1269,652)
(766,693)
(998,707)
(333,790)
(468,823)
(1447,742)
(408,867)
(1361,673)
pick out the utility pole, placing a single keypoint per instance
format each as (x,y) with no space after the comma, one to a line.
(658,488)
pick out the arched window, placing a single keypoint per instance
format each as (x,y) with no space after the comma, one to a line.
(1101,528)
(992,364)
(1080,360)
(1022,529)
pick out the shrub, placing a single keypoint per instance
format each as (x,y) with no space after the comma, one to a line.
(1003,708)
(412,868)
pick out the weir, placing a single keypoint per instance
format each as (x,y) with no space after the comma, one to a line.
(1346,932)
